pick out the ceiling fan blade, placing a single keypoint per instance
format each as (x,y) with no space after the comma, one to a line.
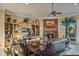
(54,14)
(49,14)
(58,13)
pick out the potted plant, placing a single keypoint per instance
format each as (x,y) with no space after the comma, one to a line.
(65,22)
(26,20)
(24,24)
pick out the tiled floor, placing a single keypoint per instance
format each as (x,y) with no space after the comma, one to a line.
(72,50)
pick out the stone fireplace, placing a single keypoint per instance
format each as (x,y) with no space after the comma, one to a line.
(51,28)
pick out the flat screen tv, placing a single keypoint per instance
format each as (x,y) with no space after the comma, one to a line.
(50,24)
(25,30)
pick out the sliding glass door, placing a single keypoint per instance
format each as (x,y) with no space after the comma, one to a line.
(71,29)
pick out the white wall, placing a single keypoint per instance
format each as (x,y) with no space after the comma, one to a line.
(61,29)
(2,32)
(77,33)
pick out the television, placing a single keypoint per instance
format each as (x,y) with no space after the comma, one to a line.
(25,30)
(50,24)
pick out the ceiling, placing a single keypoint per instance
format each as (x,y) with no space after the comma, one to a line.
(41,9)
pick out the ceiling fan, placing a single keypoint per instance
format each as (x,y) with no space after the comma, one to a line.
(54,13)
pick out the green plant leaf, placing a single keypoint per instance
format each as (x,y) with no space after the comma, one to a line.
(26,20)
